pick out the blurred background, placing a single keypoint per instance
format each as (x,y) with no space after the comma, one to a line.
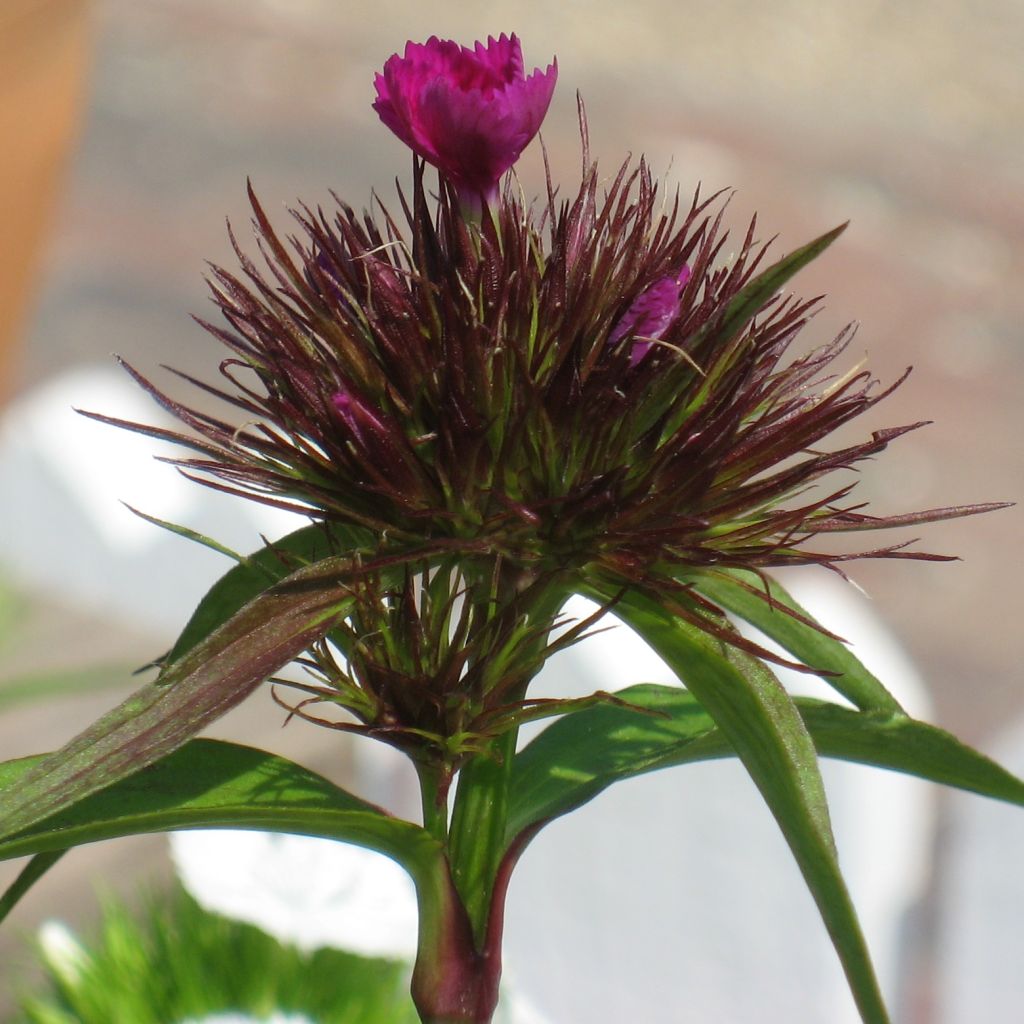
(129,127)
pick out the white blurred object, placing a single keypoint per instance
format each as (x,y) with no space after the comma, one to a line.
(980,956)
(673,890)
(99,465)
(62,951)
(312,893)
(63,522)
(515,1008)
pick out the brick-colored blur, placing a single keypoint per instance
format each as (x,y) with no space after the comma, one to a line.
(43,59)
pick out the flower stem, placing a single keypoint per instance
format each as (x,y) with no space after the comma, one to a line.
(478,828)
(452,982)
(434,781)
(458,966)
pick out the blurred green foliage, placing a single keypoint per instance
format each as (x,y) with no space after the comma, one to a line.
(171,961)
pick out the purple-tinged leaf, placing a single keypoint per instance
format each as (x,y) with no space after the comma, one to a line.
(196,690)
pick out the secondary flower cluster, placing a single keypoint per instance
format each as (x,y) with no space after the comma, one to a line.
(509,404)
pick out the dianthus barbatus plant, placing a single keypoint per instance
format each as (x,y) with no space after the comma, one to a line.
(485,406)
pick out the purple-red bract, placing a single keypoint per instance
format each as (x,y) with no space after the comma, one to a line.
(652,313)
(469,112)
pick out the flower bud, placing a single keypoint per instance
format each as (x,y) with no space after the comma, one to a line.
(652,313)
(470,113)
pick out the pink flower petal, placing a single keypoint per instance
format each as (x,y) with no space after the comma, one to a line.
(470,113)
(651,314)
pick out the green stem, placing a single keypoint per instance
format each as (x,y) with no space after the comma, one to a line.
(462,913)
(452,982)
(434,799)
(477,839)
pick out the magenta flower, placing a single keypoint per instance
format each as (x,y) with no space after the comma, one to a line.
(652,313)
(470,113)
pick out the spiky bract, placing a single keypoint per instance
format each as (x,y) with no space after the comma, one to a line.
(464,393)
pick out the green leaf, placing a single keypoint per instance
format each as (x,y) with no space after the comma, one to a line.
(758,291)
(585,752)
(907,745)
(194,691)
(734,590)
(478,822)
(720,334)
(27,877)
(162,959)
(761,723)
(260,571)
(213,784)
(189,534)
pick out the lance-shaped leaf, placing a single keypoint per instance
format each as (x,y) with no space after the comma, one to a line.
(763,726)
(27,877)
(763,602)
(211,679)
(213,784)
(737,314)
(753,295)
(259,572)
(582,754)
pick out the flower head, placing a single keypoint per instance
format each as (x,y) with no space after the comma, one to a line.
(469,112)
(494,414)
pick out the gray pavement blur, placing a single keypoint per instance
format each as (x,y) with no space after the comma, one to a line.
(904,119)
